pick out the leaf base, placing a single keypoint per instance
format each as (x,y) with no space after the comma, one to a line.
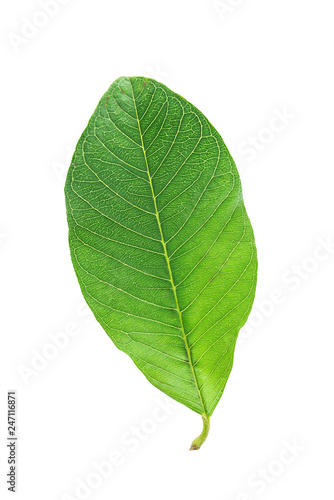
(197,442)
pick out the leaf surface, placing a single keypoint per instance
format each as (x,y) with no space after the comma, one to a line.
(160,240)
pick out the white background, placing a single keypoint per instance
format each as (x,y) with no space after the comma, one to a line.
(241,62)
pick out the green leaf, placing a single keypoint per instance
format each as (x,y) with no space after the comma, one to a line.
(160,240)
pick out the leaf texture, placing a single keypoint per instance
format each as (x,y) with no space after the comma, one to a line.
(160,240)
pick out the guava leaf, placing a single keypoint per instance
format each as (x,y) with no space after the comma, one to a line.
(160,240)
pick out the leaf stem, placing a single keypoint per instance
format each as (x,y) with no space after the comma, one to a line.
(197,443)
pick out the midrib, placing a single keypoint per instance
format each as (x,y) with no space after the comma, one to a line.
(167,260)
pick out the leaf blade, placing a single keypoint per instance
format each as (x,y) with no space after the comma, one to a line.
(155,211)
